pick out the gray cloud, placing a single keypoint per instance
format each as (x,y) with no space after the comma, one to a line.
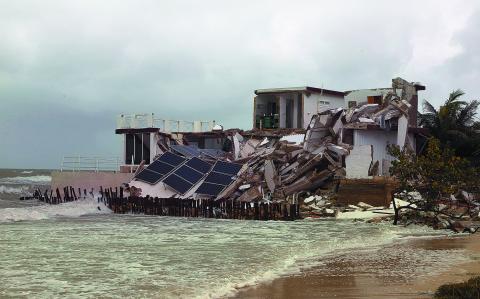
(68,67)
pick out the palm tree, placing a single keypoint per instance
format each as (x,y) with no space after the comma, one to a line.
(454,124)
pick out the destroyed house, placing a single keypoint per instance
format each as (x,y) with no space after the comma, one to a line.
(293,107)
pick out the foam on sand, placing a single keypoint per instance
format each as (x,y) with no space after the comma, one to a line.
(69,209)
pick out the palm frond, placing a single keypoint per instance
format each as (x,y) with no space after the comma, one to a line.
(466,115)
(428,108)
(454,95)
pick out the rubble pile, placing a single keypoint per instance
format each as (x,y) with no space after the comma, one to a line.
(460,213)
(285,167)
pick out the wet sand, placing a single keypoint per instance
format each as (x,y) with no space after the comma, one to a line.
(411,269)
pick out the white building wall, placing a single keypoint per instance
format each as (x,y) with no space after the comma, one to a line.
(379,139)
(361,95)
(312,105)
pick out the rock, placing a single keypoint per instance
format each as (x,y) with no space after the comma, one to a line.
(309,200)
(244,187)
(329,212)
(375,220)
(354,207)
(442,207)
(461,226)
(443,224)
(364,205)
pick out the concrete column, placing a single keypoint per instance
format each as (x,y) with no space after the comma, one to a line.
(295,111)
(283,111)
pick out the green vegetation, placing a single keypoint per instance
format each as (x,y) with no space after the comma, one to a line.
(436,175)
(464,290)
(455,125)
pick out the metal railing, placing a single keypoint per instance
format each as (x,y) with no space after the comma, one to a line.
(148,120)
(96,164)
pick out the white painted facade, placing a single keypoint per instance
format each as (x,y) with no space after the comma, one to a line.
(360,96)
(379,139)
(316,102)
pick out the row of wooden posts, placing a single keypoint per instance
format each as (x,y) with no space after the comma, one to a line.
(115,200)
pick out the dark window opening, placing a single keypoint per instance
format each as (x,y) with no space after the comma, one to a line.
(129,148)
(137,148)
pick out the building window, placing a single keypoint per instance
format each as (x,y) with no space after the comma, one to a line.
(322,104)
(137,148)
(374,100)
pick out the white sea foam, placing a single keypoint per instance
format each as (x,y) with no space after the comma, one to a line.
(172,256)
(70,209)
(13,190)
(34,179)
(27,171)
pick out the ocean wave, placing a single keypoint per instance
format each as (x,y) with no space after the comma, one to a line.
(14,190)
(27,171)
(34,179)
(70,209)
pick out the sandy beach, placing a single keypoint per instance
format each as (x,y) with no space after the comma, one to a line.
(411,269)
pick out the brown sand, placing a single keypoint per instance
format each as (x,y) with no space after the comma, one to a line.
(412,269)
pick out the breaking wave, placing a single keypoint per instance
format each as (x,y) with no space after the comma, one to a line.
(13,190)
(70,209)
(35,179)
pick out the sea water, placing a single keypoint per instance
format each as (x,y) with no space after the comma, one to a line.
(82,250)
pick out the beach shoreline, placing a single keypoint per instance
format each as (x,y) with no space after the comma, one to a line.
(408,269)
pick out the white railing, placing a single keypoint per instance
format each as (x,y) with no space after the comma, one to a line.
(148,120)
(96,164)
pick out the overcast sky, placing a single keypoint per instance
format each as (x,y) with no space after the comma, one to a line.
(67,68)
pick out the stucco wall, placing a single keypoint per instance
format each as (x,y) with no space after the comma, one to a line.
(379,139)
(88,180)
(310,105)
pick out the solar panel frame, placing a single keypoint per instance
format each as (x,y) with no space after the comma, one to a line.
(227,167)
(160,167)
(177,183)
(189,174)
(210,189)
(186,150)
(199,165)
(219,178)
(144,175)
(171,159)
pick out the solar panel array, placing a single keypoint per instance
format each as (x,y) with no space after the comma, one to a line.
(187,175)
(219,178)
(154,172)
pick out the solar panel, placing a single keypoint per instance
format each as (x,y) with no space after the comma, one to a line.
(171,158)
(187,175)
(177,183)
(186,150)
(219,178)
(227,168)
(149,176)
(160,167)
(199,165)
(210,189)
